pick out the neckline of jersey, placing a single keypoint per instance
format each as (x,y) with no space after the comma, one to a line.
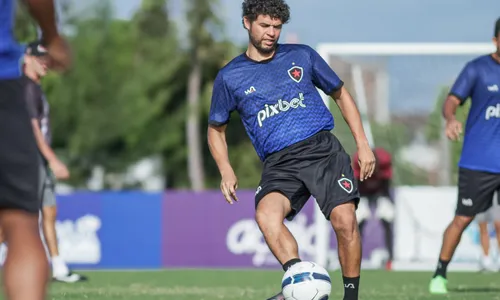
(265,61)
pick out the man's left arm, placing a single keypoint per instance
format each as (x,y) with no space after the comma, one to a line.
(327,80)
(351,115)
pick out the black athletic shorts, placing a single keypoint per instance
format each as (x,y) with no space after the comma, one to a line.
(19,160)
(475,191)
(317,166)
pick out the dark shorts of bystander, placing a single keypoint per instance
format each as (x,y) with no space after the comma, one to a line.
(475,191)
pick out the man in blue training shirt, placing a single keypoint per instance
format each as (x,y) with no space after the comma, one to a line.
(479,173)
(273,88)
(25,269)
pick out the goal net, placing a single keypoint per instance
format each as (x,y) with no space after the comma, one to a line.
(399,90)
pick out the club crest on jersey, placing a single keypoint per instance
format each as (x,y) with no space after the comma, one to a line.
(296,73)
(346,184)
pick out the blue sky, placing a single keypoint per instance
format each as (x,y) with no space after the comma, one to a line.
(370,20)
(316,21)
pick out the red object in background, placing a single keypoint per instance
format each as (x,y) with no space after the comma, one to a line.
(379,182)
(383,168)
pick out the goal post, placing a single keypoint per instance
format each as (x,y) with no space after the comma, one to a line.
(327,50)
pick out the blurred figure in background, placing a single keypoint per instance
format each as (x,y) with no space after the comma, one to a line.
(25,270)
(491,216)
(375,191)
(479,166)
(50,165)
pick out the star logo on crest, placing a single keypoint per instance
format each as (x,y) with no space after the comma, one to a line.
(296,73)
(346,184)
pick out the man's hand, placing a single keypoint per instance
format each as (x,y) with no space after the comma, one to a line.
(59,169)
(453,129)
(366,160)
(228,186)
(59,54)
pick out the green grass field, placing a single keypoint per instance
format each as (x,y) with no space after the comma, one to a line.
(257,285)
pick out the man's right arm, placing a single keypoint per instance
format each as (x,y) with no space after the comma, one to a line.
(218,148)
(220,110)
(43,11)
(59,53)
(450,107)
(459,93)
(221,106)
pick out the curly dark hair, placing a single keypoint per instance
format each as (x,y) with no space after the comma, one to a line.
(274,8)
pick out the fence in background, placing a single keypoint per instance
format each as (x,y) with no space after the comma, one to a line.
(177,229)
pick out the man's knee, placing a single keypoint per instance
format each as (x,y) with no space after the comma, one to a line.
(483,227)
(343,219)
(461,222)
(497,226)
(272,209)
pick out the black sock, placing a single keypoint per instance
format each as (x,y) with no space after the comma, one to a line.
(290,263)
(441,268)
(351,287)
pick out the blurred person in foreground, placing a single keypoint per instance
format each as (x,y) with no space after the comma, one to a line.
(479,166)
(25,272)
(273,88)
(50,165)
(375,191)
(491,216)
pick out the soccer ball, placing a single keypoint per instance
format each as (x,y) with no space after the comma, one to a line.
(306,281)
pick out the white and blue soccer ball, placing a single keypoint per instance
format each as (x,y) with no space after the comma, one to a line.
(306,281)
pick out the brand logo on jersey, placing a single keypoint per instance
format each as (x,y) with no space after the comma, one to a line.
(493,88)
(493,112)
(250,90)
(280,106)
(296,73)
(346,184)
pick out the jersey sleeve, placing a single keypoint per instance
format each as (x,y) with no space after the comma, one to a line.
(32,98)
(464,84)
(222,103)
(323,76)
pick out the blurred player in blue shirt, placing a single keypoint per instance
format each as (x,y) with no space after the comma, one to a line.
(479,172)
(273,87)
(25,269)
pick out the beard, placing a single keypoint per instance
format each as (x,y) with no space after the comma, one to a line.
(257,43)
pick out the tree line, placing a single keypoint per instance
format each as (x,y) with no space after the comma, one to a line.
(139,88)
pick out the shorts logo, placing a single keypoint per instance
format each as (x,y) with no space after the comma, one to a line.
(467,202)
(345,184)
(296,73)
(258,190)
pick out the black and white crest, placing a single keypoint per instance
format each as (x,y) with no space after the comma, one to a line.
(296,73)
